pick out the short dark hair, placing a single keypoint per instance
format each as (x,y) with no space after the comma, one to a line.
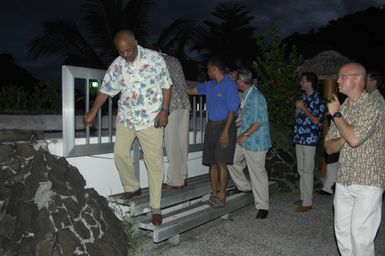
(378,76)
(312,78)
(217,62)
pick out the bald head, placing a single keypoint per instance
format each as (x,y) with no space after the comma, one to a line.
(124,34)
(351,79)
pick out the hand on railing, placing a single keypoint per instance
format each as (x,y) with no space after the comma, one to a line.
(88,119)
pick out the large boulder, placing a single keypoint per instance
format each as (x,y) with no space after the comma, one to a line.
(45,208)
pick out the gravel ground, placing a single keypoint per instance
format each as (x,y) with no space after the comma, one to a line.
(284,232)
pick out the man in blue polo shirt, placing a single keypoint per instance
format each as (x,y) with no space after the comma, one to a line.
(220,136)
(307,133)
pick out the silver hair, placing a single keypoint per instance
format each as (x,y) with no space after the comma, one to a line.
(245,76)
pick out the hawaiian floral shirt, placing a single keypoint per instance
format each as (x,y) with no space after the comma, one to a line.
(305,132)
(140,86)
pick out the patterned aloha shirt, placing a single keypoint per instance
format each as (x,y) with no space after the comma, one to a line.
(362,165)
(179,96)
(305,132)
(140,86)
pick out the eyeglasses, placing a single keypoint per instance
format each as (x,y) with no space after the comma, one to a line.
(342,76)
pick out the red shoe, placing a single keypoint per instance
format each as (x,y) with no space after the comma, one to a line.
(156,219)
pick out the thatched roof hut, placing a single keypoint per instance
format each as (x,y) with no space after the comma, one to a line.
(326,64)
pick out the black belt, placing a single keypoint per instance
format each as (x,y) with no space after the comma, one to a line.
(217,122)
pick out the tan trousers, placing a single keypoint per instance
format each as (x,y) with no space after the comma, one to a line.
(176,143)
(259,182)
(305,166)
(150,140)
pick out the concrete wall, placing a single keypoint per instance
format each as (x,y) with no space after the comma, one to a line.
(100,172)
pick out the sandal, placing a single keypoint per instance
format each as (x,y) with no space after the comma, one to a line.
(212,200)
(216,202)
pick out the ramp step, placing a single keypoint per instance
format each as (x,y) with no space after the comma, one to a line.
(181,221)
(197,187)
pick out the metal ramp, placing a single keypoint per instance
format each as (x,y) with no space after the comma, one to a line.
(183,209)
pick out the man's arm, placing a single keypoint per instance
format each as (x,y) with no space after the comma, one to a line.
(224,139)
(163,114)
(99,101)
(191,90)
(334,145)
(347,132)
(252,128)
(166,98)
(300,104)
(345,129)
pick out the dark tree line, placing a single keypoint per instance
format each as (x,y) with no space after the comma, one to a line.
(229,32)
(359,36)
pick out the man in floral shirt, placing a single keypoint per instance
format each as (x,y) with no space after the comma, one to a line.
(141,77)
(307,133)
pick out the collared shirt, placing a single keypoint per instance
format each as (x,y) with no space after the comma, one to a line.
(305,132)
(179,96)
(254,109)
(364,164)
(221,97)
(378,96)
(140,84)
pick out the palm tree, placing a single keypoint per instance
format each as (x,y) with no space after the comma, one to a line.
(232,37)
(176,37)
(91,44)
(177,40)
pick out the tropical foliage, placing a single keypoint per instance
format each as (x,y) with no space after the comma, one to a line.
(92,43)
(232,36)
(276,69)
(41,98)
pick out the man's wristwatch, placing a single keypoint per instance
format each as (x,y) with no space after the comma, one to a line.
(165,110)
(337,115)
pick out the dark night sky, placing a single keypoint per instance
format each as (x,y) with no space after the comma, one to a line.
(20,20)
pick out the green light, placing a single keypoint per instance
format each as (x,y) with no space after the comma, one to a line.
(94,84)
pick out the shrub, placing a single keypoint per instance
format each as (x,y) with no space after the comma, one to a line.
(276,69)
(43,98)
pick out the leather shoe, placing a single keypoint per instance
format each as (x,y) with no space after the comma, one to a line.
(168,186)
(298,202)
(129,195)
(156,219)
(262,214)
(302,208)
(323,192)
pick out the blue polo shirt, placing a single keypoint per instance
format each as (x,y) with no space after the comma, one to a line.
(305,132)
(221,97)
